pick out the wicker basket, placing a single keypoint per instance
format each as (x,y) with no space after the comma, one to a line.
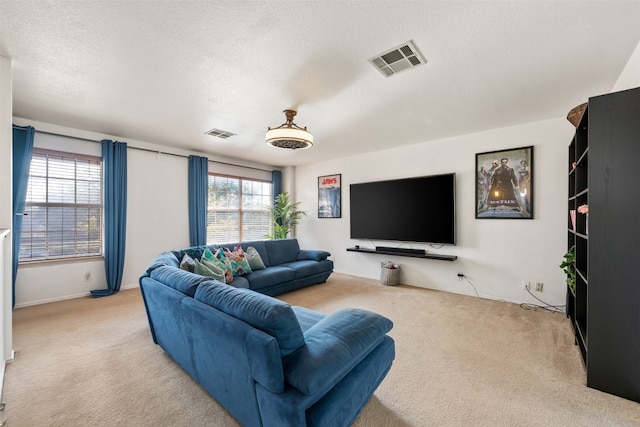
(390,276)
(575,115)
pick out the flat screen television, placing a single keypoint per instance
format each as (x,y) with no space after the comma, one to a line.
(420,209)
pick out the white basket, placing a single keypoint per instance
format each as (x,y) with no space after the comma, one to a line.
(390,276)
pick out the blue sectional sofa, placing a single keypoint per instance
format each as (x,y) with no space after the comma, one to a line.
(287,267)
(266,362)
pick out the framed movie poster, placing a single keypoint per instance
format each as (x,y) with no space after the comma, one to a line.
(329,196)
(504,184)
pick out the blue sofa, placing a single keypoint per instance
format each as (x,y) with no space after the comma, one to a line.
(266,362)
(287,266)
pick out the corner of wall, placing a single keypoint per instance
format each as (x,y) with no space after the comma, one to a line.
(630,76)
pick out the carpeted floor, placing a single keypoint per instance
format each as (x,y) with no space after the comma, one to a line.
(461,361)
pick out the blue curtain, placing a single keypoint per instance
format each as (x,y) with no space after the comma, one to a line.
(198,194)
(22,149)
(276,179)
(114,165)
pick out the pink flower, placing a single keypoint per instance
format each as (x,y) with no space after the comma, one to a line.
(583,209)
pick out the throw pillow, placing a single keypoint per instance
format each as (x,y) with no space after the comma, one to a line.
(313,255)
(187,263)
(254,258)
(216,268)
(207,254)
(228,273)
(202,269)
(239,264)
(195,252)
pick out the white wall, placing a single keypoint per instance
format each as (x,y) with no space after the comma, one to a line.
(157,215)
(6,210)
(495,254)
(630,76)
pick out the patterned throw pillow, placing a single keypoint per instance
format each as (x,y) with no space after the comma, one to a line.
(207,254)
(228,272)
(254,258)
(239,264)
(195,252)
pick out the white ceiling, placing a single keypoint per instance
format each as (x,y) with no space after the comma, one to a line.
(166,72)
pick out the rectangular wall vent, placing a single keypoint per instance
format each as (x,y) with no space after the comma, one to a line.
(397,59)
(220,133)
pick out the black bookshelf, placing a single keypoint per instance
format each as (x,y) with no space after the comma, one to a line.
(605,307)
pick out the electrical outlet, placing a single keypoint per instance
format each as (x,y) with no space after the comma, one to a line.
(526,285)
(539,286)
(87,276)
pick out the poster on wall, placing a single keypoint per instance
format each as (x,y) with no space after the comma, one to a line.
(504,184)
(329,196)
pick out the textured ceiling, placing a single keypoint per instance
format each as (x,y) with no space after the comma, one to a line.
(166,72)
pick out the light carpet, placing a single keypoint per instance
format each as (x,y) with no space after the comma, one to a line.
(461,361)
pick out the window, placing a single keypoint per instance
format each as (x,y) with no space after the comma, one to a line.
(63,207)
(238,209)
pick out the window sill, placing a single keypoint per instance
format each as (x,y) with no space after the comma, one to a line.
(39,262)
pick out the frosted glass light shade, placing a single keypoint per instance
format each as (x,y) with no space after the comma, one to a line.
(289,135)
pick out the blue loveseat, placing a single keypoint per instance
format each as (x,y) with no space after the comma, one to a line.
(266,362)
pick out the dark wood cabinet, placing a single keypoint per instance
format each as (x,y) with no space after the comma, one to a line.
(604,307)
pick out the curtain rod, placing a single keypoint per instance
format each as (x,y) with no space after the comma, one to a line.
(149,150)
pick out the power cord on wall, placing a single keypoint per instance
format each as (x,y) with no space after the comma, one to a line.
(546,306)
(462,276)
(526,306)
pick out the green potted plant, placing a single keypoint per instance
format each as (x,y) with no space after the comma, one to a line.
(568,267)
(284,216)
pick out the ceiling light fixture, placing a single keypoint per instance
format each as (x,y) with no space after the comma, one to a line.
(289,135)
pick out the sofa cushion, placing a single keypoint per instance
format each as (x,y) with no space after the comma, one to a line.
(333,346)
(270,276)
(282,250)
(165,258)
(240,282)
(308,268)
(263,312)
(178,279)
(307,317)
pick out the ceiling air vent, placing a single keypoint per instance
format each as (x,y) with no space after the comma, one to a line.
(220,133)
(398,59)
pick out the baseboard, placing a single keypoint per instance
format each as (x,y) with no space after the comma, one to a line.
(66,297)
(468,292)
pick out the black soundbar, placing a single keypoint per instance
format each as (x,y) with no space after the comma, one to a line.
(400,250)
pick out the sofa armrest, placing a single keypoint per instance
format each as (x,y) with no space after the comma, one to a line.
(333,347)
(306,254)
